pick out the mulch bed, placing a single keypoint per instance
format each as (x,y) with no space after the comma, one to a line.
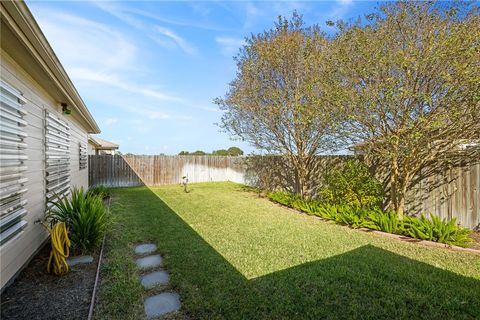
(35,294)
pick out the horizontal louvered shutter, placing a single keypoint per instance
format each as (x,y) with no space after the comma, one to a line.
(83,157)
(12,162)
(57,157)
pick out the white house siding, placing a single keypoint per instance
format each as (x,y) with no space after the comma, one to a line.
(91,149)
(17,252)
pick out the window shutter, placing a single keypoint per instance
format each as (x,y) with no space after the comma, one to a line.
(12,162)
(57,157)
(83,157)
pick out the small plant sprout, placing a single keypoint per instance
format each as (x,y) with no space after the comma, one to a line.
(185,184)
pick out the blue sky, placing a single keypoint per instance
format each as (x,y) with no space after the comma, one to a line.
(148,71)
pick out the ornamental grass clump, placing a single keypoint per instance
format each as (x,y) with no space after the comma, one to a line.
(85,217)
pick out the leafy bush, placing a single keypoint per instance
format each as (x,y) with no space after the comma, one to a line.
(101,191)
(85,216)
(434,229)
(352,184)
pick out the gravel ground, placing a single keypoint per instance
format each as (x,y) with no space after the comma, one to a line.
(38,295)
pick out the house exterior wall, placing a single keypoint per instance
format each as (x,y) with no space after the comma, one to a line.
(91,149)
(106,151)
(16,253)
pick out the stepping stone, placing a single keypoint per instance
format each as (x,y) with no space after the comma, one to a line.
(154,279)
(145,248)
(73,261)
(161,304)
(149,262)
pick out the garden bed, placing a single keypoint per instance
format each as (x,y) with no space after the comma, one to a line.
(35,294)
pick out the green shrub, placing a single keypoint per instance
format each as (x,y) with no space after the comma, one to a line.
(436,229)
(352,184)
(85,216)
(101,191)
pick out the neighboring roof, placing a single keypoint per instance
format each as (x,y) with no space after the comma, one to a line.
(20,21)
(103,144)
(93,141)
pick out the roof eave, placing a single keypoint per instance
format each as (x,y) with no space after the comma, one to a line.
(19,18)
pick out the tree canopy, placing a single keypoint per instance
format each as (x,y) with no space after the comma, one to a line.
(232,151)
(410,85)
(403,85)
(280,100)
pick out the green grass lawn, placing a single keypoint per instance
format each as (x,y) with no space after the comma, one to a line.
(233,255)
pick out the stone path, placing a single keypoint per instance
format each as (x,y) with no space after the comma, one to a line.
(75,260)
(159,304)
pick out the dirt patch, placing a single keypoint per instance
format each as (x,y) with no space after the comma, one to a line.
(35,294)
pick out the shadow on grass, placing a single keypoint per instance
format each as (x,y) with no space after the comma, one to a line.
(367,282)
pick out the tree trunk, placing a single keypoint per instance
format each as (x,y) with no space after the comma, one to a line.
(394,187)
(402,195)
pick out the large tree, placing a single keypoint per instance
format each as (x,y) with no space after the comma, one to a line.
(280,102)
(411,85)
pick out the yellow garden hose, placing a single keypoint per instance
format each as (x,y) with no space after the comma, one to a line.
(60,249)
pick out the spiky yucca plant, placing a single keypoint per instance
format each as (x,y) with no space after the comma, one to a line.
(85,216)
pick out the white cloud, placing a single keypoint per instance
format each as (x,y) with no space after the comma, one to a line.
(230,45)
(111,121)
(95,52)
(179,41)
(128,15)
(82,74)
(89,43)
(161,35)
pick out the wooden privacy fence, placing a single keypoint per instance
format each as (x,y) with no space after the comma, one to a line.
(454,194)
(128,171)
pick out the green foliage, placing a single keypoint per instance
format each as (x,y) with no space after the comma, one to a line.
(195,153)
(388,221)
(436,229)
(285,198)
(433,229)
(232,151)
(352,184)
(221,152)
(235,151)
(100,191)
(307,206)
(85,216)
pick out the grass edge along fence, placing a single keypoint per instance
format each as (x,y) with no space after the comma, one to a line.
(430,228)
